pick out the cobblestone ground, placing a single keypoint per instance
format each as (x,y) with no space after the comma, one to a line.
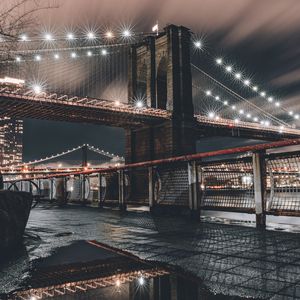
(229,259)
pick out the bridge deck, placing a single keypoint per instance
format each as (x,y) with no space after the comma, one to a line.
(22,103)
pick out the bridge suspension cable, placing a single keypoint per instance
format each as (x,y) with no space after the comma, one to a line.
(259,92)
(238,97)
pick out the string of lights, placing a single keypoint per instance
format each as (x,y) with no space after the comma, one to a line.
(234,94)
(246,82)
(240,112)
(77,35)
(58,55)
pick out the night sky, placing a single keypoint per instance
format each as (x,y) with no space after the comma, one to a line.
(260,36)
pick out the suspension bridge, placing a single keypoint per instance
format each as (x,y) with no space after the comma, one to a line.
(148,85)
(59,163)
(128,80)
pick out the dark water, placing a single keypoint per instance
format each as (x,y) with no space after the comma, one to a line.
(208,260)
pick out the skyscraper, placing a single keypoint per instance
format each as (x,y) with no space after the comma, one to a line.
(11,135)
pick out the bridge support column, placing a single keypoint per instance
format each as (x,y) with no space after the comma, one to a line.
(122,204)
(259,177)
(51,189)
(100,203)
(82,186)
(151,188)
(193,190)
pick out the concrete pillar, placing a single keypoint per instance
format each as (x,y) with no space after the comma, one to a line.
(193,190)
(121,184)
(51,189)
(259,177)
(39,185)
(100,203)
(82,187)
(151,188)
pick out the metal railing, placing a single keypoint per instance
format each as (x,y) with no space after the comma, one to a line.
(254,181)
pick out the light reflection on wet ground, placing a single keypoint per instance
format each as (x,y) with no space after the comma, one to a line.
(232,260)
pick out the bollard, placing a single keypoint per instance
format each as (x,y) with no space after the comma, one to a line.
(82,188)
(151,188)
(121,184)
(259,177)
(193,190)
(100,202)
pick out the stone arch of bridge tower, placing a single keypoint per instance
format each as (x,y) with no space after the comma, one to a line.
(162,83)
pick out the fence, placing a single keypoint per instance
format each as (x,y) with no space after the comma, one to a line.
(253,181)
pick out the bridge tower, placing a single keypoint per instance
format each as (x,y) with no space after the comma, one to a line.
(160,76)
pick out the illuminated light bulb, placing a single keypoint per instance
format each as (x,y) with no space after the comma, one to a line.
(263,94)
(126,33)
(236,120)
(228,69)
(118,282)
(225,102)
(270,99)
(281,128)
(255,88)
(296,117)
(59,165)
(248,116)
(255,119)
(238,75)
(247,82)
(18,58)
(38,58)
(24,38)
(241,111)
(198,44)
(48,37)
(117,103)
(211,115)
(139,104)
(89,53)
(91,35)
(104,52)
(70,36)
(217,98)
(217,118)
(219,61)
(267,123)
(56,56)
(208,93)
(37,90)
(291,113)
(73,55)
(277,104)
(141,280)
(109,34)
(32,298)
(233,107)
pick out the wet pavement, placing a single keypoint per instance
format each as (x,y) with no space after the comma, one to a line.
(229,259)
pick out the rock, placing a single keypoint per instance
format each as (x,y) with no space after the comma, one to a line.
(14,212)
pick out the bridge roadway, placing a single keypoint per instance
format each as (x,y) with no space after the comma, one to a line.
(22,103)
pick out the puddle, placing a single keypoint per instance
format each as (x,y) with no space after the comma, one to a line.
(90,270)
